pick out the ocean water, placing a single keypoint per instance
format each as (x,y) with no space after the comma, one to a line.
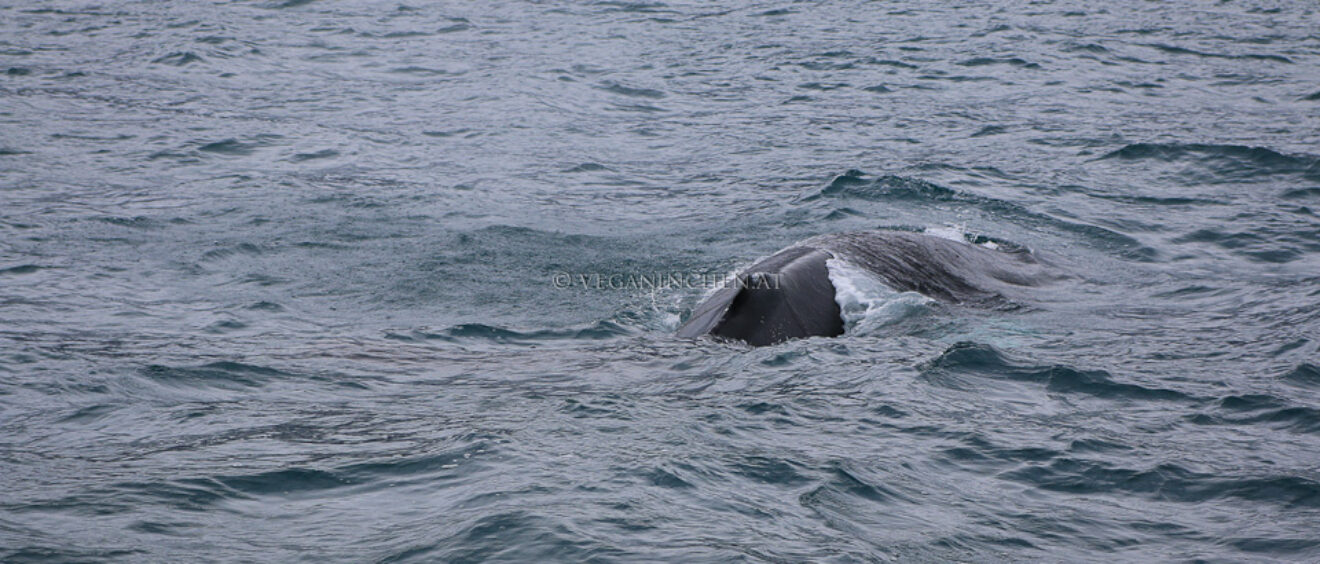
(368,281)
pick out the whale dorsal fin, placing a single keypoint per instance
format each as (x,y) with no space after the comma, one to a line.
(786,296)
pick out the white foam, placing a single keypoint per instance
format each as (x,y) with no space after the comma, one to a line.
(866,302)
(956,233)
(950,232)
(669,320)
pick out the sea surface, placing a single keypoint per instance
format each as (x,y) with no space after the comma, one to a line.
(362,281)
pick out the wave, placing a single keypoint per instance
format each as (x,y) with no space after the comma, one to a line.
(985,361)
(225,375)
(1261,409)
(1167,482)
(478,332)
(856,185)
(1175,50)
(1223,161)
(1305,374)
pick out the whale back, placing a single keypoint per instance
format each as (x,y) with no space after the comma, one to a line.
(950,271)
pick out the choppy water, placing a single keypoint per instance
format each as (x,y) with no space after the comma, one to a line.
(276,281)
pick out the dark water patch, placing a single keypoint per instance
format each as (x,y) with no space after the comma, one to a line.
(1145,200)
(607,408)
(1305,374)
(419,71)
(644,108)
(1193,292)
(322,245)
(1229,162)
(588,167)
(979,454)
(855,184)
(395,34)
(665,478)
(476,332)
(616,88)
(7,151)
(862,507)
(18,71)
(633,7)
(957,78)
(188,494)
(969,358)
(449,463)
(993,30)
(453,28)
(761,407)
(878,89)
(229,147)
(322,154)
(1253,409)
(88,414)
(137,222)
(824,87)
(21,555)
(1168,482)
(844,486)
(890,63)
(843,213)
(224,375)
(225,326)
(776,12)
(285,483)
(291,3)
(990,130)
(511,536)
(264,280)
(20,269)
(266,306)
(1094,48)
(450,133)
(179,59)
(203,494)
(166,529)
(828,65)
(1097,446)
(1138,85)
(1258,247)
(1291,346)
(82,137)
(1302,194)
(1274,545)
(888,412)
(767,470)
(1313,97)
(1013,61)
(248,249)
(1173,49)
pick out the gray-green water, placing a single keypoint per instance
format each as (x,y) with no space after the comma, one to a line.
(277,281)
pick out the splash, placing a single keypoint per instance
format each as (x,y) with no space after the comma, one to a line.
(866,303)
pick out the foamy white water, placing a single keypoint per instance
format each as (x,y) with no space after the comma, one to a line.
(866,302)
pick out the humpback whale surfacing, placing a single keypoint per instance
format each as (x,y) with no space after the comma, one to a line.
(789,295)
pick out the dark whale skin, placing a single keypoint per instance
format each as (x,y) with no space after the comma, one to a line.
(789,294)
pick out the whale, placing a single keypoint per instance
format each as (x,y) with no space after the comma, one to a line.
(789,295)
